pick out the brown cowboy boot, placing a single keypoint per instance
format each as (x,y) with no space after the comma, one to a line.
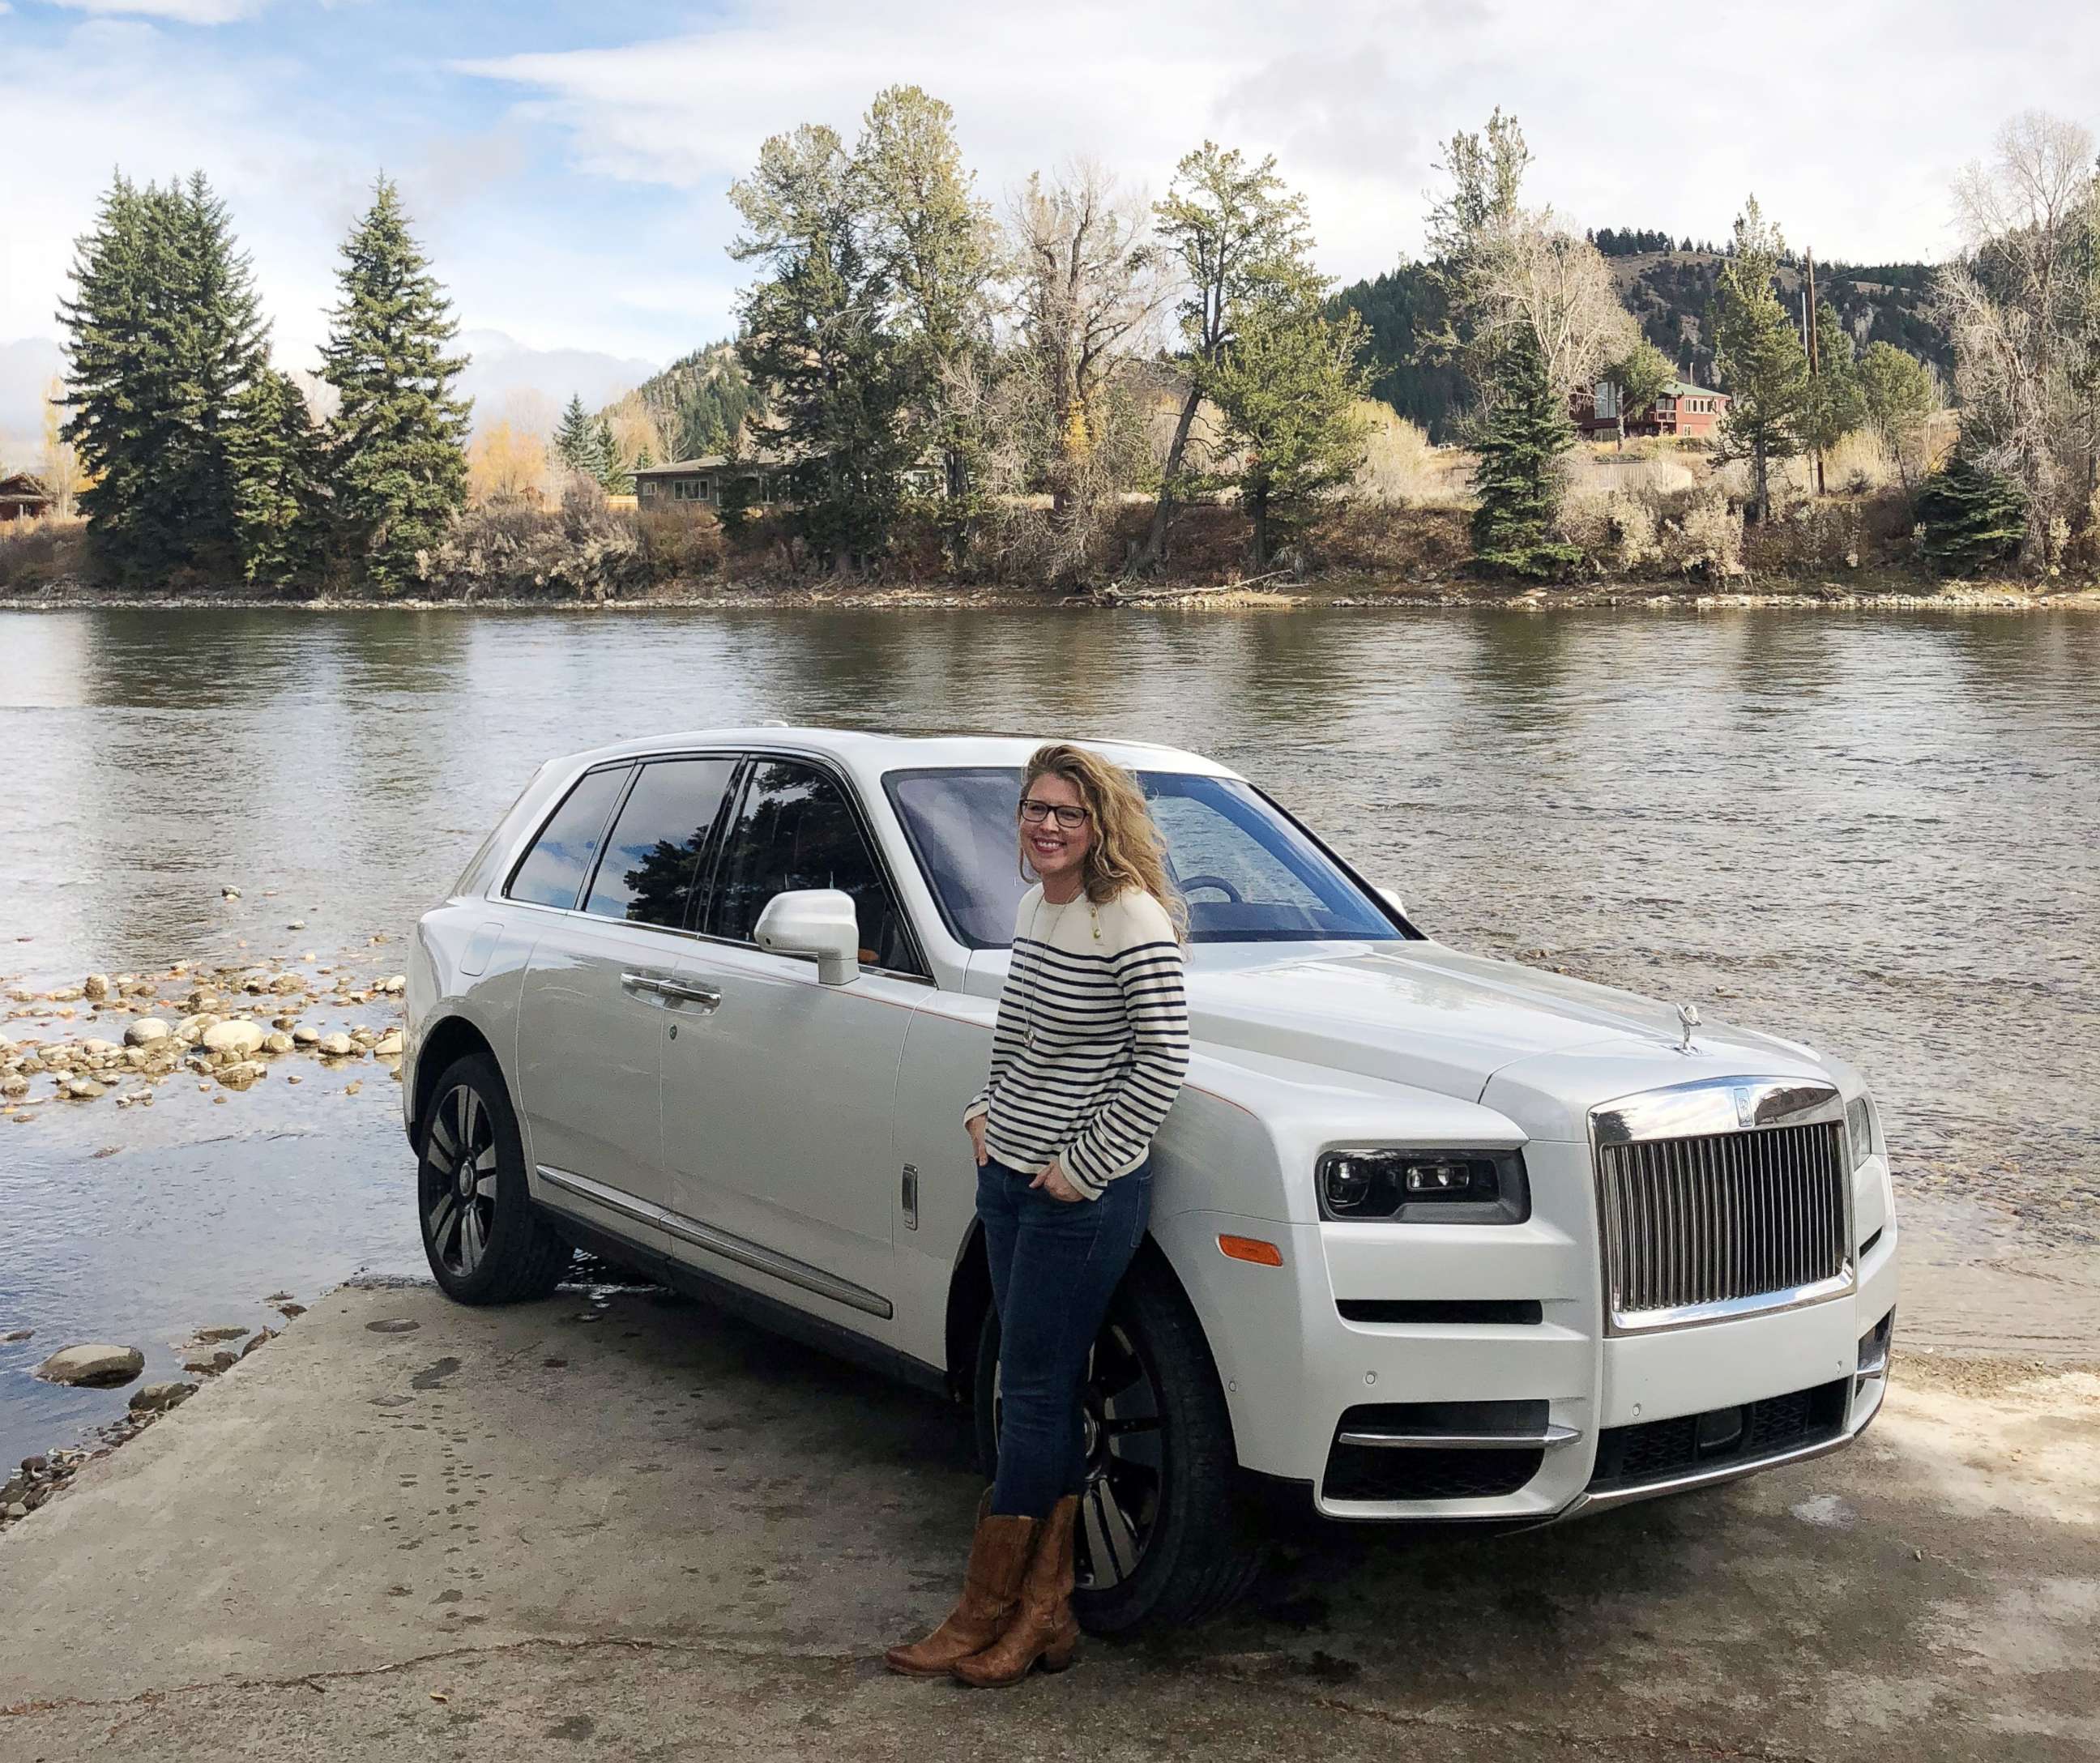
(998,1557)
(1043,1629)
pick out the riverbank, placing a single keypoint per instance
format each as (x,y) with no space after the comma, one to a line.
(1353,592)
(406,1524)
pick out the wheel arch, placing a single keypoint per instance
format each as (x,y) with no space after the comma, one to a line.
(446,1040)
(969,1297)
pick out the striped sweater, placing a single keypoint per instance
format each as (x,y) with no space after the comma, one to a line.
(1092,1040)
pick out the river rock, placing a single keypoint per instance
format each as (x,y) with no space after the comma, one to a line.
(210,1364)
(96,985)
(94,1367)
(100,1049)
(26,1335)
(240,1039)
(389,1044)
(241,1073)
(336,1046)
(393,984)
(13,1085)
(232,1331)
(302,1035)
(79,1089)
(157,1398)
(147,1030)
(278,1042)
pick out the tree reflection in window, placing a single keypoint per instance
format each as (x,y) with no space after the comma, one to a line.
(652,862)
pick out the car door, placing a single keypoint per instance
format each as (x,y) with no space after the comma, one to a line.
(594,1011)
(777,1095)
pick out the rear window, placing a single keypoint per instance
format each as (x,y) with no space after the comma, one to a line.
(653,860)
(561,857)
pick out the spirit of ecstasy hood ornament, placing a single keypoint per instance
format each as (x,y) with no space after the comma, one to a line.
(1688,1014)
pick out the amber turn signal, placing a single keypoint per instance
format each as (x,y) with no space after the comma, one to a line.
(1251,1248)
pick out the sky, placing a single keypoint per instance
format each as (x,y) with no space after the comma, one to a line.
(567,166)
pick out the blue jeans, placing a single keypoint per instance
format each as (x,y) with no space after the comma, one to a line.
(1055,1264)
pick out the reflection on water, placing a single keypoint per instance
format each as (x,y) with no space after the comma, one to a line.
(1879,834)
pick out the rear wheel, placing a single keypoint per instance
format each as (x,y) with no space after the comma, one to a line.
(1162,1535)
(485,1241)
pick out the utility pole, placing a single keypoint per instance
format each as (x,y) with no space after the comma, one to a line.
(1814,370)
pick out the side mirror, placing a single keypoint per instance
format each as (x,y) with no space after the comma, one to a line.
(816,922)
(1393,899)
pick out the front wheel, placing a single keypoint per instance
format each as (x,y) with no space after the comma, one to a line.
(485,1241)
(1162,1536)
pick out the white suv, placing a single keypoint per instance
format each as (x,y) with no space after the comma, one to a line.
(1433,1236)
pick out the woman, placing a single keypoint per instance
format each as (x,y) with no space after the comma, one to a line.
(1088,1054)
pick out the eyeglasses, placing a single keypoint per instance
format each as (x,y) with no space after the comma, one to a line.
(1035,813)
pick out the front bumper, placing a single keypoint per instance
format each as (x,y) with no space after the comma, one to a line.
(1299,1373)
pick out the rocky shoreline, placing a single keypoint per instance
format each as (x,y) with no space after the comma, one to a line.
(1900,594)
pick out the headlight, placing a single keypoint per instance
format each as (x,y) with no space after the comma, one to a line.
(1460,1187)
(1860,1129)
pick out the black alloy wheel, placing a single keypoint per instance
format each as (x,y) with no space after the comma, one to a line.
(485,1241)
(1162,1536)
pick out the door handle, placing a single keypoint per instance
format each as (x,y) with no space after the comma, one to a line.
(673,990)
(689,992)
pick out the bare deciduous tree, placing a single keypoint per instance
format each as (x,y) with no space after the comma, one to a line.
(2022,311)
(1089,285)
(1531,272)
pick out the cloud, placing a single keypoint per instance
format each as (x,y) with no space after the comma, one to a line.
(176,11)
(27,366)
(507,379)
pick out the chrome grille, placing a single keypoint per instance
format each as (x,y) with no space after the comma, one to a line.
(1723,1223)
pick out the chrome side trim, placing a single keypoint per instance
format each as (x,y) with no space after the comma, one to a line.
(1715,1105)
(1463,1441)
(759,1258)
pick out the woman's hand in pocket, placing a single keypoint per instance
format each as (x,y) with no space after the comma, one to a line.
(975,1126)
(1053,1183)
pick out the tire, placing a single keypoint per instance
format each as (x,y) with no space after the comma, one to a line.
(488,1244)
(1161,1457)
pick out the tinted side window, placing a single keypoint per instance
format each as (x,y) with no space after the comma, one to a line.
(652,859)
(561,857)
(795,828)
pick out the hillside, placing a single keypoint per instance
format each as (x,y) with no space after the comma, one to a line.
(695,406)
(1668,291)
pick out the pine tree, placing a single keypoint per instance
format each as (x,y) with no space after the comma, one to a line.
(1289,388)
(165,335)
(397,460)
(573,439)
(837,382)
(1758,356)
(277,467)
(613,478)
(1518,476)
(1835,406)
(1973,517)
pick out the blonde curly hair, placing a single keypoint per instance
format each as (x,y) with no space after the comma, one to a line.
(1127,851)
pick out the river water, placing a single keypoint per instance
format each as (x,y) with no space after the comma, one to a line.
(1878,833)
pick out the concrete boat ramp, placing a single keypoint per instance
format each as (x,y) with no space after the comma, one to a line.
(627,1525)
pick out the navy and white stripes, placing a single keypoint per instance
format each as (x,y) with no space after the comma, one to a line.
(1092,1040)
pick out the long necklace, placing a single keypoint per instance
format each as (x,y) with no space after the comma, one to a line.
(1034,923)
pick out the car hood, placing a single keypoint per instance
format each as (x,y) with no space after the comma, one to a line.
(1422,1014)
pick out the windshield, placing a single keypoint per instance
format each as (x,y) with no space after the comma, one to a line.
(1247,871)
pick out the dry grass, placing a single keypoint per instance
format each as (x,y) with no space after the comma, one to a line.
(35,553)
(1400,467)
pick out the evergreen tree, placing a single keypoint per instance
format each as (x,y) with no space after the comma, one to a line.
(1289,387)
(574,438)
(396,450)
(1973,517)
(166,334)
(614,476)
(1518,475)
(1835,406)
(1638,378)
(1758,356)
(278,469)
(814,336)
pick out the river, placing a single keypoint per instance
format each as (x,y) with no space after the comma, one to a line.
(1875,832)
